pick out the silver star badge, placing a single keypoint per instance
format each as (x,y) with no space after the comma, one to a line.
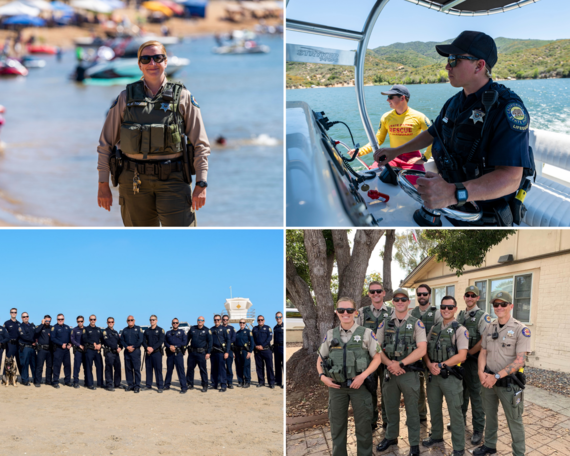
(477,116)
(166,106)
(408,326)
(357,338)
(430,314)
(450,331)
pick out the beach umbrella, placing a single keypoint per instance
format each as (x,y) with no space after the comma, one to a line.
(178,10)
(60,6)
(96,6)
(25,20)
(18,8)
(157,6)
(115,3)
(39,4)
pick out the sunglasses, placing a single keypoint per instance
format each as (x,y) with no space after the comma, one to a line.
(110,321)
(446,307)
(400,299)
(343,310)
(261,319)
(452,59)
(131,320)
(391,97)
(279,318)
(470,295)
(376,291)
(422,294)
(25,316)
(501,304)
(152,319)
(79,321)
(217,319)
(242,322)
(13,312)
(60,319)
(158,58)
(200,319)
(92,319)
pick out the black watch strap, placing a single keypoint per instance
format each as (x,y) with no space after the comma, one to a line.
(321,374)
(203,184)
(402,365)
(460,194)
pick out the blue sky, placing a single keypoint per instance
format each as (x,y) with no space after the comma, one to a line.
(171,273)
(401,21)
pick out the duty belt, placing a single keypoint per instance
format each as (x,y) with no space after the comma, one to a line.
(109,349)
(26,345)
(197,350)
(152,167)
(43,347)
(13,341)
(345,384)
(267,347)
(92,347)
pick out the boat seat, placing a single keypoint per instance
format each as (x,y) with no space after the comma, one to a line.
(548,202)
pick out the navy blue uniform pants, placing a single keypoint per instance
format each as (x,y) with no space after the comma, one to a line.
(27,360)
(112,370)
(264,357)
(44,356)
(78,360)
(218,369)
(153,362)
(243,367)
(229,367)
(133,367)
(175,359)
(198,359)
(1,354)
(278,355)
(61,356)
(90,356)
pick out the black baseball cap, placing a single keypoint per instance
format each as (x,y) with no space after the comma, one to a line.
(477,44)
(398,90)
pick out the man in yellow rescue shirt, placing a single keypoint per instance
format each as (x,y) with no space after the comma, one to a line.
(402,124)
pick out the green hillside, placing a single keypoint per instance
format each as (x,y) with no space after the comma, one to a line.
(417,63)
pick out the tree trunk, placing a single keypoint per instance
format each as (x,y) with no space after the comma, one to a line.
(387,266)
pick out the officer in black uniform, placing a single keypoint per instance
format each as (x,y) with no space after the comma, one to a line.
(220,352)
(4,339)
(153,340)
(480,139)
(12,326)
(91,339)
(45,355)
(230,361)
(175,343)
(111,349)
(243,348)
(132,339)
(61,341)
(278,349)
(26,342)
(78,351)
(262,343)
(200,344)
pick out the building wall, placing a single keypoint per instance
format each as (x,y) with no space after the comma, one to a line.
(550,305)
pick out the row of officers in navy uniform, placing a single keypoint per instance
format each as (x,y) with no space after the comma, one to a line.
(53,345)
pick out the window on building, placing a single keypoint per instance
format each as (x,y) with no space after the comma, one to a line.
(518,286)
(439,293)
(482,303)
(521,298)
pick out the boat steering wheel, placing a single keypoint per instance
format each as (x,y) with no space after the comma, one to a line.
(412,192)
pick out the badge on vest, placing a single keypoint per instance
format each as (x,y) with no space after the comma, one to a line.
(409,326)
(430,314)
(477,116)
(164,106)
(357,338)
(450,330)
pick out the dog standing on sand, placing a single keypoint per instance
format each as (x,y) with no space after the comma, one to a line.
(10,372)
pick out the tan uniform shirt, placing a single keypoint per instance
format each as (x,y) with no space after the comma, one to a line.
(194,130)
(513,338)
(375,312)
(419,328)
(368,340)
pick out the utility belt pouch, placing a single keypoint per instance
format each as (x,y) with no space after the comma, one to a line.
(518,397)
(503,213)
(116,165)
(471,170)
(164,170)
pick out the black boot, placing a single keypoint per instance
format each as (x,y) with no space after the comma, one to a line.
(414,450)
(483,450)
(204,389)
(476,437)
(430,442)
(385,444)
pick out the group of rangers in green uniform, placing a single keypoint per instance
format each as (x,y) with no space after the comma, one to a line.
(464,358)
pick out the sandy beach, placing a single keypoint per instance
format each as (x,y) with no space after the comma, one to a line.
(49,421)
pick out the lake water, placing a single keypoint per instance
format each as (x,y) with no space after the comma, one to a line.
(48,172)
(546,100)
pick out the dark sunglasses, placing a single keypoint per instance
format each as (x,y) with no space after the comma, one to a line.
(25,316)
(422,294)
(110,321)
(261,319)
(501,304)
(13,312)
(279,318)
(391,97)
(400,299)
(342,310)
(446,307)
(375,291)
(200,319)
(131,320)
(79,321)
(217,319)
(158,58)
(92,319)
(470,295)
(152,319)
(452,59)
(60,319)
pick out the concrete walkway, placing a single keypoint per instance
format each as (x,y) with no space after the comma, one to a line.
(547,428)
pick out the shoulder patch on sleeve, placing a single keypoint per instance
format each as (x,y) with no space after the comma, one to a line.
(194,102)
(427,121)
(210,332)
(517,117)
(52,328)
(228,331)
(269,329)
(115,102)
(467,334)
(163,331)
(325,339)
(142,330)
(373,336)
(104,333)
(421,325)
(381,325)
(526,332)
(488,318)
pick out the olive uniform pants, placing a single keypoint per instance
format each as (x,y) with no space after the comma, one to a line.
(513,413)
(361,401)
(472,390)
(422,404)
(407,384)
(379,375)
(166,203)
(452,389)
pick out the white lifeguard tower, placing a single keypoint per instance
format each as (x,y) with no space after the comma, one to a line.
(239,308)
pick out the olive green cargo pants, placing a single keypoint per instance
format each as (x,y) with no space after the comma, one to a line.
(166,203)
(513,413)
(472,390)
(452,389)
(407,384)
(379,375)
(361,401)
(422,404)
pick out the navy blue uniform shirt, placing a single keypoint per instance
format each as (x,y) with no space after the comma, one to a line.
(262,335)
(12,328)
(111,338)
(132,337)
(221,337)
(91,335)
(76,334)
(176,338)
(278,334)
(154,338)
(200,338)
(27,333)
(60,334)
(243,337)
(4,335)
(232,333)
(42,334)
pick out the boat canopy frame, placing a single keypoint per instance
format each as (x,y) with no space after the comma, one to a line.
(453,7)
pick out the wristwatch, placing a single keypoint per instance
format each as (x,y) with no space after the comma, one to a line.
(424,159)
(321,374)
(202,184)
(460,194)
(402,365)
(497,376)
(439,366)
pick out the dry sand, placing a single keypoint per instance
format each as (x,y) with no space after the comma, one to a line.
(49,421)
